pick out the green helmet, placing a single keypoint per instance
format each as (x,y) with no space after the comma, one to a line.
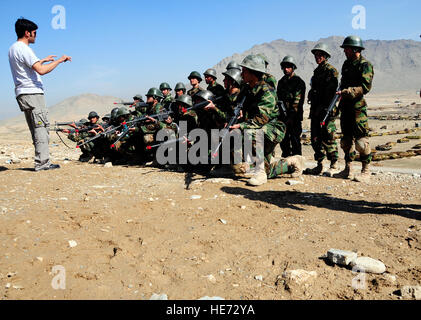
(254,62)
(123,111)
(83,121)
(93,114)
(322,47)
(186,99)
(138,97)
(107,116)
(114,113)
(205,95)
(264,58)
(210,72)
(233,65)
(195,74)
(235,75)
(180,86)
(354,42)
(164,86)
(154,92)
(289,60)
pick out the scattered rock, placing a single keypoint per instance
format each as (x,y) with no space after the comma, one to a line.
(411,292)
(223,221)
(220,180)
(211,278)
(368,265)
(341,257)
(195,197)
(259,277)
(108,165)
(243,207)
(299,276)
(8,285)
(40,259)
(294,182)
(162,296)
(72,243)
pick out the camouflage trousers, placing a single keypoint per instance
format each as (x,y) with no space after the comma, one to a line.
(355,129)
(323,140)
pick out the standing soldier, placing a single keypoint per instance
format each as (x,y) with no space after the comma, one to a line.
(179,89)
(166,91)
(291,91)
(213,86)
(357,77)
(324,84)
(195,79)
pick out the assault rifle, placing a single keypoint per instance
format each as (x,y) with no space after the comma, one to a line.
(232,121)
(184,110)
(331,106)
(77,123)
(283,109)
(107,129)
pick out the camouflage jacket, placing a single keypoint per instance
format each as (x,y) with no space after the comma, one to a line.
(216,89)
(225,108)
(357,78)
(140,109)
(292,92)
(152,127)
(193,91)
(261,111)
(189,116)
(323,88)
(167,101)
(270,80)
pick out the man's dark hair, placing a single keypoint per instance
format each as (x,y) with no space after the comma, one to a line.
(23,25)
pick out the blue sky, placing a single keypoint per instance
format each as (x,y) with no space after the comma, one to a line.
(125,47)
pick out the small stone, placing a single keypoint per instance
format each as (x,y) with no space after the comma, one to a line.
(223,221)
(368,265)
(243,207)
(341,257)
(299,276)
(72,243)
(105,230)
(162,296)
(8,285)
(259,277)
(294,182)
(211,278)
(108,165)
(40,259)
(18,287)
(63,199)
(411,292)
(195,197)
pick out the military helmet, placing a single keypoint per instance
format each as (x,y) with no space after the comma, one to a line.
(114,113)
(210,72)
(154,92)
(233,65)
(205,95)
(180,86)
(83,121)
(195,74)
(322,47)
(353,41)
(264,58)
(186,99)
(123,111)
(289,60)
(93,114)
(254,62)
(234,74)
(164,86)
(138,97)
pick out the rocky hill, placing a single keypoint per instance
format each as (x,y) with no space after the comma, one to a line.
(397,63)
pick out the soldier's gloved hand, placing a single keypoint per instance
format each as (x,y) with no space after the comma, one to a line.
(352,92)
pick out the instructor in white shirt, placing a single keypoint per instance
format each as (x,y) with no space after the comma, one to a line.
(26,71)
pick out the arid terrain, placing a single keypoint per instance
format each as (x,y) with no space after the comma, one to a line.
(128,232)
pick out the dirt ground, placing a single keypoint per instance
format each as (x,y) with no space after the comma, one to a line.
(136,231)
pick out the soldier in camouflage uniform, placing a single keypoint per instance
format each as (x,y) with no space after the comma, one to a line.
(357,77)
(166,92)
(323,89)
(291,90)
(195,79)
(213,86)
(260,111)
(179,89)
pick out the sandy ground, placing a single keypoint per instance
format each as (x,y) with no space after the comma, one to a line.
(137,230)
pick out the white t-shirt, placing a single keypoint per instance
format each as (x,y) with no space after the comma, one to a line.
(21,60)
